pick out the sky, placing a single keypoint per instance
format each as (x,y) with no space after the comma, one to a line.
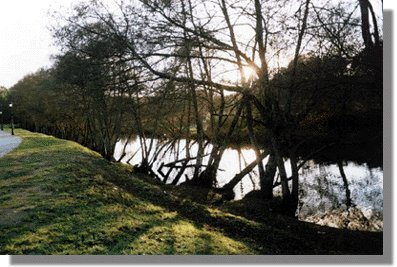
(26,44)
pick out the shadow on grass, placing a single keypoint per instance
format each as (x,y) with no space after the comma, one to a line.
(61,201)
(277,236)
(91,206)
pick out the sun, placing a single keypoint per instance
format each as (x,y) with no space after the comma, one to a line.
(249,72)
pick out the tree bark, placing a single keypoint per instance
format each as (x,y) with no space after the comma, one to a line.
(295,176)
(365,26)
(291,203)
(268,177)
(374,21)
(281,169)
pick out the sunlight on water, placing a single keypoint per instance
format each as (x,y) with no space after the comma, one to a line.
(321,186)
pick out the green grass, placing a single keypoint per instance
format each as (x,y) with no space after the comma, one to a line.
(58,197)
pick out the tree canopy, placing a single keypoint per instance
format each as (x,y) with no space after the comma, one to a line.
(280,76)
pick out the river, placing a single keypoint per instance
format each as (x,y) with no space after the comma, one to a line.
(322,190)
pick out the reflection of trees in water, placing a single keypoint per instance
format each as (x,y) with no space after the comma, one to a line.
(322,187)
(369,190)
(348,202)
(325,196)
(325,187)
(319,194)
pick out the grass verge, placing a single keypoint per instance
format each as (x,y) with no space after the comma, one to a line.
(58,197)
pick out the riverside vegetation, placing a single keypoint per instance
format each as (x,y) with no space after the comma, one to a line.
(58,197)
(295,80)
(298,82)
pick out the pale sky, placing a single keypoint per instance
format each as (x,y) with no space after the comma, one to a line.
(25,41)
(26,44)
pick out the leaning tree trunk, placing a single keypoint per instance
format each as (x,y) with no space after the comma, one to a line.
(227,189)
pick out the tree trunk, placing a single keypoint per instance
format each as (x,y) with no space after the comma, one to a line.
(253,140)
(295,175)
(281,169)
(374,21)
(291,203)
(268,177)
(192,90)
(227,190)
(365,26)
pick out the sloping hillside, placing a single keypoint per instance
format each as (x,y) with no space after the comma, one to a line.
(57,197)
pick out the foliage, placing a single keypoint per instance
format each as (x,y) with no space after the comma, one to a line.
(210,73)
(4,104)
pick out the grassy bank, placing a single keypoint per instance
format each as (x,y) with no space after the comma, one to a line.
(57,197)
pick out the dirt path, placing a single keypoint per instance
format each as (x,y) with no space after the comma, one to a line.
(8,142)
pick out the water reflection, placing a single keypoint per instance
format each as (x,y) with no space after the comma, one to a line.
(323,195)
(356,198)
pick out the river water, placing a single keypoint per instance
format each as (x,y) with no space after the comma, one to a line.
(322,190)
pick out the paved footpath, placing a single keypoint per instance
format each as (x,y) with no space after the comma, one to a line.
(8,142)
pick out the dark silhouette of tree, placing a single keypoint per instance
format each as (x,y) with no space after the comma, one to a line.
(159,69)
